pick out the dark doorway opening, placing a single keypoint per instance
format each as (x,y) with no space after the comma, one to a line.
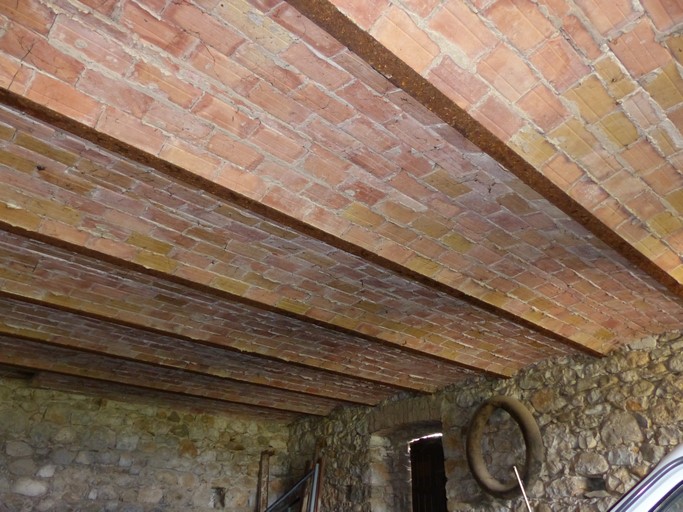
(428,475)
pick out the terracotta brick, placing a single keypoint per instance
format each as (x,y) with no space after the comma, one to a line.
(32,14)
(157,32)
(33,50)
(521,22)
(645,205)
(131,131)
(619,129)
(232,150)
(190,158)
(91,45)
(581,37)
(455,21)
(176,121)
(497,117)
(399,34)
(507,73)
(13,75)
(422,8)
(166,84)
(666,87)
(266,67)
(64,99)
(665,14)
(623,185)
(676,118)
(369,102)
(212,33)
(543,108)
(114,93)
(462,87)
(559,63)
(277,104)
(640,109)
(610,17)
(639,51)
(301,26)
(364,14)
(664,179)
(278,143)
(225,116)
(323,104)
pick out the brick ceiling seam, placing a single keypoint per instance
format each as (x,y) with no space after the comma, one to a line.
(175,172)
(20,352)
(109,342)
(392,358)
(114,391)
(326,15)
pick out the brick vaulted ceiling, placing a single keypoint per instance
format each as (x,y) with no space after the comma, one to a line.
(282,207)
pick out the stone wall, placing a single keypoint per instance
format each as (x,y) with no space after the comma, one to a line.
(604,422)
(67,452)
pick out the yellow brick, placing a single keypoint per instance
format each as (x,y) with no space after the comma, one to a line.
(522,293)
(619,129)
(21,331)
(360,214)
(443,182)
(574,139)
(592,99)
(665,223)
(533,146)
(6,132)
(19,217)
(677,274)
(651,246)
(293,306)
(40,147)
(155,261)
(675,44)
(618,84)
(663,141)
(230,285)
(16,162)
(667,87)
(496,299)
(430,227)
(149,243)
(423,266)
(675,199)
(457,242)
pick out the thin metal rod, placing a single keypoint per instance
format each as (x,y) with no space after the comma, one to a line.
(521,486)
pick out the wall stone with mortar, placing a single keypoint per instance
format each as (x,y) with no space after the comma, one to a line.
(67,452)
(605,423)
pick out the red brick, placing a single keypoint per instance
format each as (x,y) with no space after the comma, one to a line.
(172,88)
(623,185)
(581,37)
(64,99)
(315,68)
(363,72)
(461,26)
(234,151)
(91,45)
(642,157)
(559,63)
(204,26)
(225,116)
(364,14)
(323,104)
(610,16)
(13,75)
(326,166)
(369,102)
(32,14)
(277,104)
(370,134)
(461,86)
(521,22)
(304,28)
(190,158)
(266,67)
(507,73)
(223,70)
(664,179)
(498,118)
(639,51)
(665,13)
(33,50)
(176,121)
(105,7)
(277,143)
(157,32)
(131,131)
(329,136)
(543,107)
(400,35)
